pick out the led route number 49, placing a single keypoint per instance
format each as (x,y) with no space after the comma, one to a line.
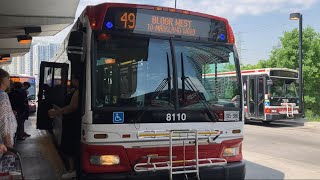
(129,20)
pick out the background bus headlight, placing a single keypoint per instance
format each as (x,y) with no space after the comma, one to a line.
(105,160)
(233,151)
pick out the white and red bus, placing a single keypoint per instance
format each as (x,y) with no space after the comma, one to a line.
(146,111)
(31,91)
(270,94)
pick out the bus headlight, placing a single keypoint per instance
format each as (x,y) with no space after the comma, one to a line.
(105,160)
(233,151)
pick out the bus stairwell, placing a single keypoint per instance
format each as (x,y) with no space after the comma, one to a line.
(184,165)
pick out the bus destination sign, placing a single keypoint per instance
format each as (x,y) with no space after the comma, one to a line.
(145,21)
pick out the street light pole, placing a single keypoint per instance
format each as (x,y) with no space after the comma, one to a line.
(298,16)
(300,66)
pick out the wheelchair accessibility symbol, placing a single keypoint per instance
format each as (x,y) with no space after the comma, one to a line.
(118,117)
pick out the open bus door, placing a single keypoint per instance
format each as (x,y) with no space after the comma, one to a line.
(255,94)
(52,90)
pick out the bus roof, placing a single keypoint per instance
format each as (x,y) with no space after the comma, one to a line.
(97,15)
(265,71)
(22,75)
(252,72)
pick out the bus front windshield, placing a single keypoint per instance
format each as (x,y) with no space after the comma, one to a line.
(138,72)
(32,91)
(200,69)
(284,88)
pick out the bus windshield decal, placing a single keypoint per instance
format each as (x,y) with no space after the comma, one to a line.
(152,22)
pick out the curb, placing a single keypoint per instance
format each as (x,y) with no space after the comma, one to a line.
(312,124)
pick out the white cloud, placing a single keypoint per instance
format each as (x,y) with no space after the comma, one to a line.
(235,8)
(226,8)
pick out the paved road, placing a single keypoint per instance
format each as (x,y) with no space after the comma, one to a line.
(283,150)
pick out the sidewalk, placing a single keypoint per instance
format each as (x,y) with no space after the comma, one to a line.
(312,124)
(39,156)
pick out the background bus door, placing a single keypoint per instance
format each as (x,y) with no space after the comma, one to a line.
(261,91)
(251,96)
(255,98)
(52,91)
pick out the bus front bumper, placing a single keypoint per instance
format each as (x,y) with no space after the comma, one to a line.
(275,117)
(232,171)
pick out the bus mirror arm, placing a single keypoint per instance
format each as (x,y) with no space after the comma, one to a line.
(211,140)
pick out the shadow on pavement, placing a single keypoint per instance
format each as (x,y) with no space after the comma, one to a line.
(257,171)
(279,124)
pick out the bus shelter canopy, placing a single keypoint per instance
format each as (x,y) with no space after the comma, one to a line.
(22,20)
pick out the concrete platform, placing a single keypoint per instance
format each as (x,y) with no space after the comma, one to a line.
(40,159)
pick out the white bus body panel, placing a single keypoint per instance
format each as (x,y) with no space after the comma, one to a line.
(115,131)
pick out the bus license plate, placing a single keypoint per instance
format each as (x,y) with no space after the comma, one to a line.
(231,115)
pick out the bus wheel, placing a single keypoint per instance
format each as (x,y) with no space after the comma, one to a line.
(246,121)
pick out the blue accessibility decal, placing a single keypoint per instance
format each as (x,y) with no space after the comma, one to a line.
(118,117)
(267,103)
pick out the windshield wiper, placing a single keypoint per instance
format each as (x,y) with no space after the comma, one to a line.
(186,80)
(162,85)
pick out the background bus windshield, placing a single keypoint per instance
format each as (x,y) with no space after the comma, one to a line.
(284,88)
(32,91)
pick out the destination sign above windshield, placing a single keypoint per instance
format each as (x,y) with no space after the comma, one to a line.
(152,22)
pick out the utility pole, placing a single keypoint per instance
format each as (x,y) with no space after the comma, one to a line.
(175,4)
(298,16)
(239,44)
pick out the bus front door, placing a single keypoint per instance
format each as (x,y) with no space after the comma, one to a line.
(252,97)
(261,91)
(52,90)
(255,98)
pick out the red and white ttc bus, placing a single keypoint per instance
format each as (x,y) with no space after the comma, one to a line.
(31,91)
(270,94)
(146,111)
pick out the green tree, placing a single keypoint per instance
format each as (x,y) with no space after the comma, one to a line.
(287,56)
(206,69)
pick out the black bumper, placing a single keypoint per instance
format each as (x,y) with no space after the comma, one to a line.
(275,117)
(234,171)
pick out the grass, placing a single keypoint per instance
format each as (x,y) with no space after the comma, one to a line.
(312,117)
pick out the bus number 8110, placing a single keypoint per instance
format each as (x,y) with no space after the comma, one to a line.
(176,117)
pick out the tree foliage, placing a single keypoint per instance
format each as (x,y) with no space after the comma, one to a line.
(286,56)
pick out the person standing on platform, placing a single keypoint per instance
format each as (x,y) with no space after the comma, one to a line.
(8,122)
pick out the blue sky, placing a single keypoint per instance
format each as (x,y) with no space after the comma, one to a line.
(260,33)
(257,24)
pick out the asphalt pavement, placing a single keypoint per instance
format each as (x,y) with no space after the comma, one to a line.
(282,150)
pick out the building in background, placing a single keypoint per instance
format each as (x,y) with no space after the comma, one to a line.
(29,64)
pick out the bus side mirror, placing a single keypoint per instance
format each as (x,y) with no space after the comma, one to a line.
(76,46)
(269,82)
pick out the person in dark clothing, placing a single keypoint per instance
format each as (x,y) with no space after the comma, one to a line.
(26,86)
(71,127)
(17,99)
